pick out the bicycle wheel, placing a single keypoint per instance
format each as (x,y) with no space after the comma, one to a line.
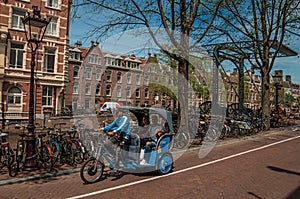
(79,154)
(69,154)
(91,171)
(10,158)
(55,150)
(181,140)
(45,158)
(20,155)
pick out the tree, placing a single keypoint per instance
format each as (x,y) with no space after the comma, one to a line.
(288,100)
(189,18)
(258,30)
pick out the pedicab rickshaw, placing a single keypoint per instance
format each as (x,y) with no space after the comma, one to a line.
(160,160)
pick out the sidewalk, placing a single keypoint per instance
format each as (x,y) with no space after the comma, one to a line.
(24,176)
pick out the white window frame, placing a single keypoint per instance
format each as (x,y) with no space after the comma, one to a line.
(129,78)
(108,90)
(138,93)
(108,76)
(119,77)
(119,93)
(88,73)
(88,88)
(76,75)
(18,18)
(48,96)
(16,96)
(98,74)
(98,89)
(49,52)
(87,103)
(75,88)
(52,3)
(138,79)
(52,27)
(18,52)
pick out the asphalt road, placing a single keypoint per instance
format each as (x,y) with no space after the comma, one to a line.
(266,166)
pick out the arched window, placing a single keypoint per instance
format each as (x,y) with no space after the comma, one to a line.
(14,95)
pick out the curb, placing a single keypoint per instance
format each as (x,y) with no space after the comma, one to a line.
(71,171)
(38,177)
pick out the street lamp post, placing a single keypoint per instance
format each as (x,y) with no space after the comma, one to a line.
(35,28)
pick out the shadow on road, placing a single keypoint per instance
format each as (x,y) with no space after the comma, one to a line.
(295,194)
(283,170)
(253,194)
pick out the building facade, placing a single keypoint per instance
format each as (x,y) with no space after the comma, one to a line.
(15,56)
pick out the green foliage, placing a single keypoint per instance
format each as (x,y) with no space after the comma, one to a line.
(288,99)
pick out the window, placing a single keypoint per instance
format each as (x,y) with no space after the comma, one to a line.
(75,103)
(108,90)
(129,78)
(98,89)
(47,94)
(128,92)
(16,19)
(87,103)
(16,55)
(88,89)
(49,59)
(74,55)
(14,96)
(119,62)
(52,3)
(76,72)
(88,73)
(75,88)
(146,93)
(119,77)
(108,61)
(119,91)
(108,76)
(52,27)
(137,93)
(138,80)
(98,74)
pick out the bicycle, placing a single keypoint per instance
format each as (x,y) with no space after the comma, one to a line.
(45,159)
(7,156)
(61,148)
(20,150)
(80,152)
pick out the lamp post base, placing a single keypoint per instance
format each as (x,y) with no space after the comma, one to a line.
(31,155)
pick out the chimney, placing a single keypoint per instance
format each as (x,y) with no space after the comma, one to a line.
(288,78)
(78,43)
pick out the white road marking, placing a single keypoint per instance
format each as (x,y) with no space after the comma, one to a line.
(180,171)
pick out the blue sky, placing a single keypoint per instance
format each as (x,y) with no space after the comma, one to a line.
(289,65)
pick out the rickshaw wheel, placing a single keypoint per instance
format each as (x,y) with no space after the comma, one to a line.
(165,164)
(91,171)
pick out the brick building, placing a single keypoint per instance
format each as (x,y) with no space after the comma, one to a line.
(15,57)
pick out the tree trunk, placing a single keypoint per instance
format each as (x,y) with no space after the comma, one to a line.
(265,102)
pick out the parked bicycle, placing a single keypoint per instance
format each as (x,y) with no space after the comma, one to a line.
(61,147)
(7,156)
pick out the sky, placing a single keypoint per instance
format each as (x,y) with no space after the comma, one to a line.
(289,65)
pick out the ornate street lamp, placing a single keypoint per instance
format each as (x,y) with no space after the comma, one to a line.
(35,28)
(277,78)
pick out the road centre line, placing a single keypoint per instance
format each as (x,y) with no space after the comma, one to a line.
(181,171)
